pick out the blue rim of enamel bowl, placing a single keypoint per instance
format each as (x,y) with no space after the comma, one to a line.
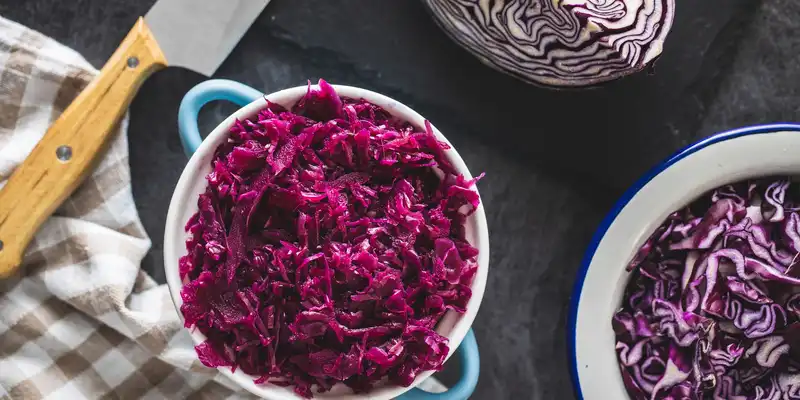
(621,203)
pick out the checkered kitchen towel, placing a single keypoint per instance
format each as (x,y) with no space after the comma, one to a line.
(81,320)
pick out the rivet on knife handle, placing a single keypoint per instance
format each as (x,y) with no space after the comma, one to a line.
(73,144)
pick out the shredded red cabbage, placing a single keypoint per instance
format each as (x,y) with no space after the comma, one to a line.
(329,242)
(712,309)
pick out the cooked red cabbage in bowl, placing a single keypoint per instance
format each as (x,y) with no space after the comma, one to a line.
(712,307)
(328,243)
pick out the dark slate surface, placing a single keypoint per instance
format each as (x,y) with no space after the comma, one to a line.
(555,161)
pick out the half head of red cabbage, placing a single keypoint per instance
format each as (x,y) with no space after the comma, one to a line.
(327,245)
(712,308)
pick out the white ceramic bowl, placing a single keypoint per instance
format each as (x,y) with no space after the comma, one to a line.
(724,158)
(192,183)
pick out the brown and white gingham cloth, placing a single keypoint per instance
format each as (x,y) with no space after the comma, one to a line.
(81,320)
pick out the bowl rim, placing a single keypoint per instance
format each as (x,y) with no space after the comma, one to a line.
(620,204)
(459,325)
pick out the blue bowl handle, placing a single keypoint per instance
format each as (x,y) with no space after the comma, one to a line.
(470,362)
(202,94)
(240,94)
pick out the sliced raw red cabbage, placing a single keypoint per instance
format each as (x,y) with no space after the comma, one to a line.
(329,242)
(712,308)
(563,43)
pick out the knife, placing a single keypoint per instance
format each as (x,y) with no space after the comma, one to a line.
(195,34)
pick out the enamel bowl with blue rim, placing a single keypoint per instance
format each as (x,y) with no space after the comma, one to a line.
(728,157)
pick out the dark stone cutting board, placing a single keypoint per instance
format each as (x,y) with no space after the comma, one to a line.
(610,134)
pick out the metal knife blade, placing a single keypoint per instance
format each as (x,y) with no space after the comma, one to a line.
(199,34)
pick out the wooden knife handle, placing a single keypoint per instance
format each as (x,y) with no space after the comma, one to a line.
(73,144)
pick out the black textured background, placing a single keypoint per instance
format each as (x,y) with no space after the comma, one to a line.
(555,161)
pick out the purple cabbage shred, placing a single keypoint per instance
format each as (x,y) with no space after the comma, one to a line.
(712,308)
(329,242)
